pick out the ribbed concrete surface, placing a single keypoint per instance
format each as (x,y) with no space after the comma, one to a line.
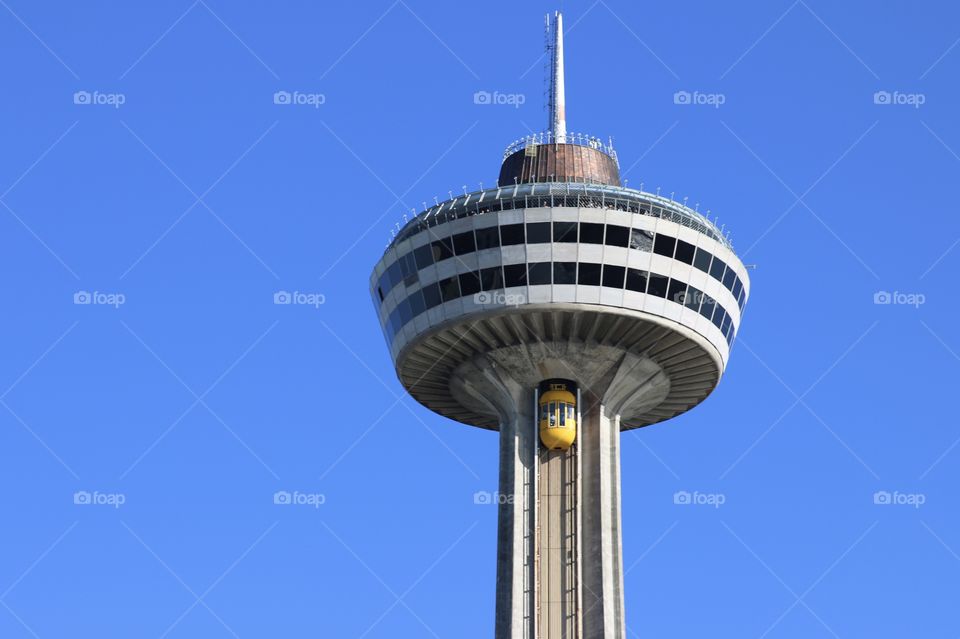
(675,370)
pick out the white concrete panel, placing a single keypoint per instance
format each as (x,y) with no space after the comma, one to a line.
(639,260)
(446,268)
(588,294)
(514,254)
(611,296)
(539,294)
(564,293)
(538,252)
(538,214)
(592,215)
(615,255)
(565,214)
(512,216)
(489,257)
(590,253)
(634,300)
(564,252)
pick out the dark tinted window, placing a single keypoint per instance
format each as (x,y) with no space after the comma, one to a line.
(515,275)
(716,269)
(488,238)
(463,243)
(641,240)
(511,234)
(718,316)
(564,231)
(636,280)
(442,249)
(706,308)
(538,232)
(407,265)
(540,273)
(729,278)
(591,233)
(380,293)
(664,245)
(449,289)
(393,274)
(588,274)
(685,251)
(617,235)
(564,272)
(737,287)
(416,303)
(677,291)
(725,328)
(431,294)
(657,286)
(423,256)
(469,283)
(613,275)
(702,260)
(692,298)
(491,278)
(406,313)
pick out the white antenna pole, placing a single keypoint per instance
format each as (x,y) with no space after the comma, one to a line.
(558,116)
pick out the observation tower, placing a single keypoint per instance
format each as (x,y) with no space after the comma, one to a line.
(559,308)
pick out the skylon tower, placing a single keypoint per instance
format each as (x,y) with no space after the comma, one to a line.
(559,308)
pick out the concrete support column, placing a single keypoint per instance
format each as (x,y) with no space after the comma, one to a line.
(602,546)
(515,530)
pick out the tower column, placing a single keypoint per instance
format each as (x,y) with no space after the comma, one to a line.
(598,443)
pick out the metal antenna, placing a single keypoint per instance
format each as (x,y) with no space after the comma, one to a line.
(558,117)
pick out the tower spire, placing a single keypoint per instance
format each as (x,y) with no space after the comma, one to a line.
(558,117)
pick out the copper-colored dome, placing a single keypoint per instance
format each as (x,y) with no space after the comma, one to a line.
(554,162)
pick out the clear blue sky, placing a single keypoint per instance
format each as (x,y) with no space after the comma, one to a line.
(178,187)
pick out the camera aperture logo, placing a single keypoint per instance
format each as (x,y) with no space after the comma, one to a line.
(696,498)
(299,298)
(516,100)
(299,98)
(486,498)
(499,298)
(296,498)
(898,98)
(896,298)
(896,498)
(696,98)
(96,498)
(99,298)
(96,98)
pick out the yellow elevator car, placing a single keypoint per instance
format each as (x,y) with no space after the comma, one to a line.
(557,414)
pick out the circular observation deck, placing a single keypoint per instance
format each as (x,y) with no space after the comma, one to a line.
(560,280)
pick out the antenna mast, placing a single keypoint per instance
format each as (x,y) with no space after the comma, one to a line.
(557,124)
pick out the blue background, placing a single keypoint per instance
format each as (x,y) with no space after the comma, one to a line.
(199,398)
